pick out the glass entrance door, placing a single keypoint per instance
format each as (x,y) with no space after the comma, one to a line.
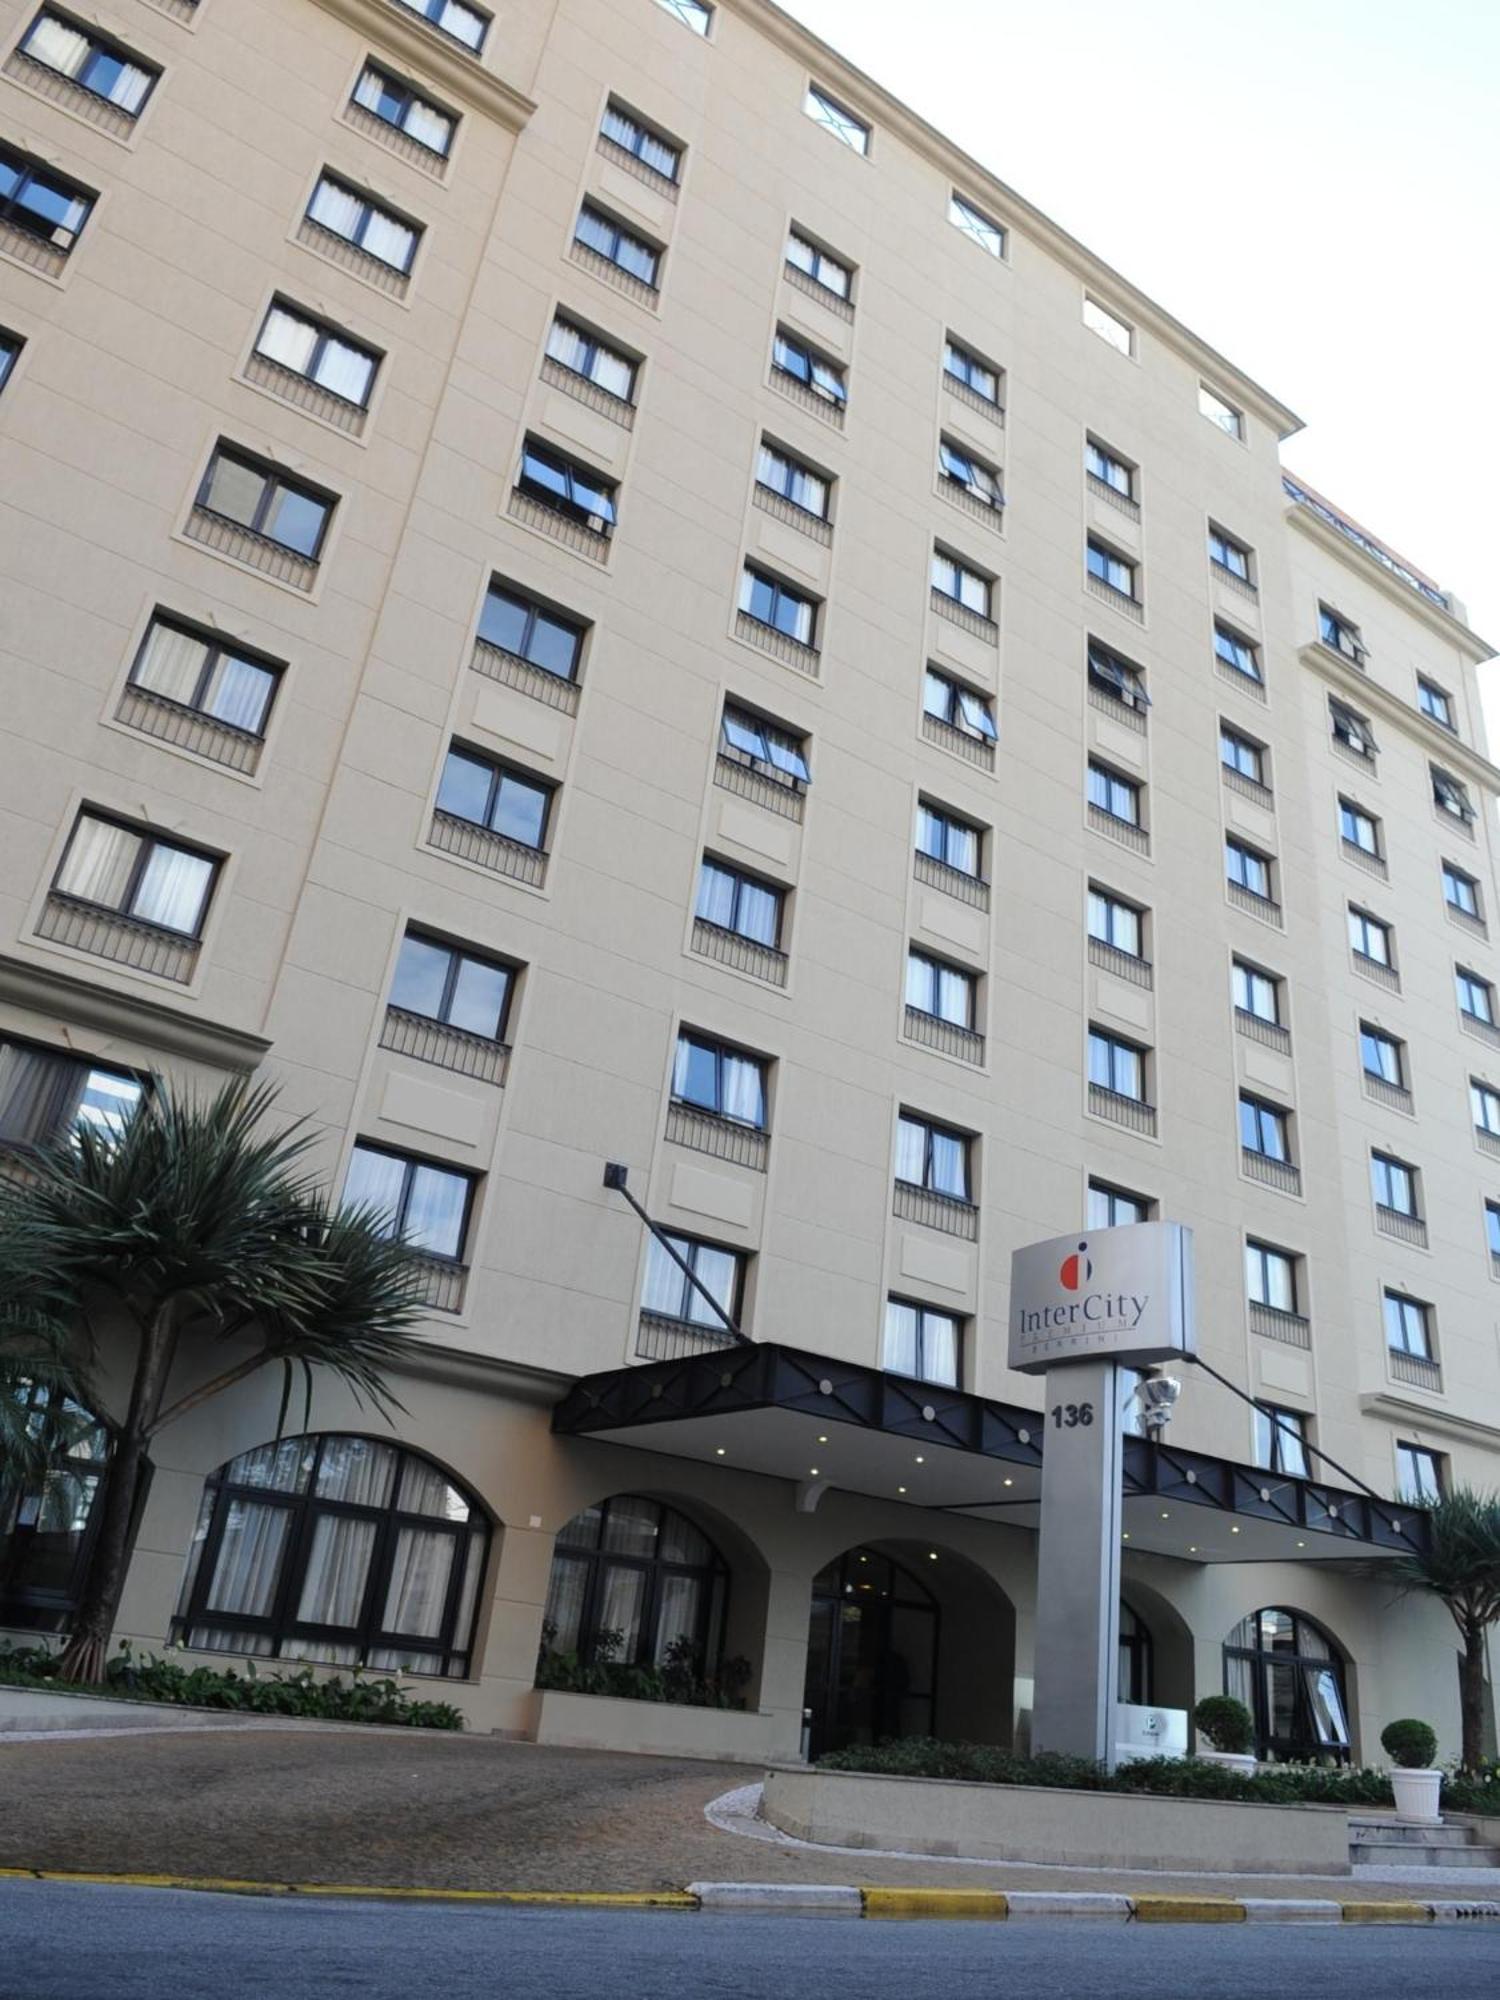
(871,1653)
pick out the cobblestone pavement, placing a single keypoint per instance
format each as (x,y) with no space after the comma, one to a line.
(405,1808)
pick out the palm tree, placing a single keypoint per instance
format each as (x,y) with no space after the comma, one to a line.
(192,1233)
(1461,1566)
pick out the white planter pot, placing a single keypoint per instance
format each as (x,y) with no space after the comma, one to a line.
(1417,1795)
(1234,1760)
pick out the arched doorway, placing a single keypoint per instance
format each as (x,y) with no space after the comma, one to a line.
(340,1549)
(47,1521)
(1137,1660)
(1288,1673)
(872,1653)
(635,1583)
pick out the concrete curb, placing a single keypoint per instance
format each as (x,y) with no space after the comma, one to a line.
(837,1899)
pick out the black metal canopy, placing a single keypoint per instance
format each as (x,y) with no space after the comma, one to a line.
(814,1420)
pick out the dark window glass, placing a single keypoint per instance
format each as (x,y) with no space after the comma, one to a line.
(741,903)
(634,1584)
(720,1079)
(256,496)
(608,238)
(427,1206)
(41,202)
(493,795)
(520,625)
(567,487)
(456,987)
(135,873)
(388,98)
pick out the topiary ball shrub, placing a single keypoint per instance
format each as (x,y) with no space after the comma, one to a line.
(1409,1743)
(1226,1723)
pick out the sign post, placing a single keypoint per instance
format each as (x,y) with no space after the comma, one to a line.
(1081,1308)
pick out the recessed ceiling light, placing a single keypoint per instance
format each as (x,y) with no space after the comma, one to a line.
(932,1555)
(1234,1531)
(900,1489)
(920,1459)
(812,1471)
(718,1451)
(1126,1536)
(1302,1545)
(1165,1515)
(822,1440)
(1192,1548)
(1008,1482)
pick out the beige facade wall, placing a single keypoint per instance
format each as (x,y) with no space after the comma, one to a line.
(135,363)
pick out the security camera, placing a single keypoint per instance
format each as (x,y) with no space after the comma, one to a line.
(1157,1395)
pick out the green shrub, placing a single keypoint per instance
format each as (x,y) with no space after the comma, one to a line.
(1409,1743)
(253,1693)
(1227,1723)
(678,1677)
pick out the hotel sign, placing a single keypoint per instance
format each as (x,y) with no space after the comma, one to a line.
(1123,1295)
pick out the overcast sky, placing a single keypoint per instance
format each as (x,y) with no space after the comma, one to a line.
(1311,185)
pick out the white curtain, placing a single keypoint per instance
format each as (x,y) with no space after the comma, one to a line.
(336,209)
(171,663)
(98,862)
(249,1562)
(900,1338)
(345,370)
(564,1610)
(57,45)
(239,693)
(39,1095)
(665,1283)
(680,1606)
(173,888)
(288,339)
(389,240)
(418,1590)
(333,1587)
(235,490)
(435,1211)
(374,1181)
(620,1606)
(939,1349)
(428,126)
(743,1096)
(715,896)
(424,1490)
(356,1469)
(953,996)
(911,1152)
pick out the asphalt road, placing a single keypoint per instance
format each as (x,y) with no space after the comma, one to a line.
(82,1942)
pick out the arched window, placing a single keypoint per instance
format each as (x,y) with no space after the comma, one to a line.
(630,1578)
(47,1523)
(338,1549)
(1135,1657)
(1286,1672)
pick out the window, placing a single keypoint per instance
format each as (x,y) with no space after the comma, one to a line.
(814,371)
(362,221)
(136,874)
(45,1095)
(1117,1065)
(1247,869)
(531,631)
(1103,465)
(961,467)
(1225,415)
(960,707)
(199,670)
(1369,937)
(1460,891)
(922,1342)
(933,1157)
(507,801)
(744,904)
(1434,703)
(943,837)
(832,116)
(777,753)
(609,239)
(1357,828)
(1256,992)
(1381,1056)
(1408,1325)
(770,602)
(634,1584)
(1492,1230)
(468,25)
(671,1293)
(318,352)
(1484,1103)
(425,1205)
(91,60)
(1450,796)
(1228,554)
(820,265)
(1241,754)
(1111,793)
(719,1079)
(1116,676)
(1351,729)
(1337,631)
(1110,568)
(1270,1277)
(1476,996)
(1286,1672)
(946,992)
(47,1519)
(1394,1185)
(398,105)
(339,1549)
(10,349)
(1118,924)
(1419,1474)
(1264,1129)
(1281,1440)
(634,136)
(1236,652)
(778,472)
(594,359)
(963,365)
(259,496)
(1113,1207)
(974,222)
(694,14)
(41,202)
(567,487)
(1109,326)
(462,989)
(951,578)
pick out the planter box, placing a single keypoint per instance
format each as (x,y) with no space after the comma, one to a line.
(1037,1823)
(661,1728)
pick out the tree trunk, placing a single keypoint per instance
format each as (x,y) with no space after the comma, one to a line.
(1471,1695)
(99,1601)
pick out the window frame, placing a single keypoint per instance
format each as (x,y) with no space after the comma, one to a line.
(825,110)
(1391,1175)
(1273,1442)
(371,208)
(798,470)
(933,1130)
(643,134)
(535,609)
(1450,795)
(1115,782)
(218,649)
(963,574)
(695,15)
(958,1323)
(753,574)
(1484,1096)
(1111,1192)
(1334,629)
(819,256)
(1235,738)
(1453,876)
(1369,926)
(1470,985)
(971,358)
(1113,675)
(950,824)
(1101,559)
(1230,644)
(742,879)
(412,1164)
(1106,332)
(621,234)
(1111,904)
(1222,545)
(980,227)
(688,1246)
(30,171)
(1267,1117)
(1419,1494)
(597,348)
(933,968)
(1263,1264)
(101,46)
(1221,413)
(1421,1314)
(150,841)
(409,98)
(955,716)
(499,769)
(71,1060)
(1101,460)
(274,480)
(1430,699)
(577,477)
(1369,1033)
(326,331)
(826,377)
(752,721)
(1340,712)
(718,1048)
(983,483)
(1247,975)
(433,11)
(1353,820)
(597,1562)
(1114,1048)
(1254,860)
(459,955)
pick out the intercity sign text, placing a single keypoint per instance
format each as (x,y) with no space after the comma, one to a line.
(1123,1294)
